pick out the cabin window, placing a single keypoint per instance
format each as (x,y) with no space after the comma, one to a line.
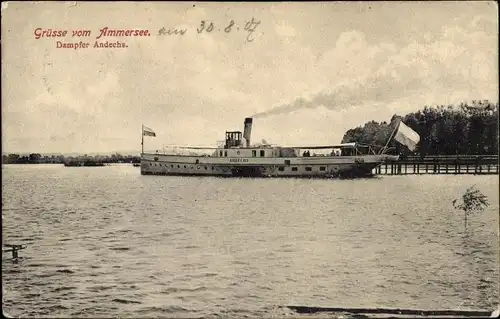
(287,162)
(198,167)
(171,165)
(294,169)
(262,153)
(212,168)
(322,168)
(206,167)
(225,153)
(197,161)
(192,166)
(254,153)
(220,153)
(150,164)
(178,166)
(308,169)
(281,168)
(184,166)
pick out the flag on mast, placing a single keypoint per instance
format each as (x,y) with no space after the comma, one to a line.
(146,131)
(406,136)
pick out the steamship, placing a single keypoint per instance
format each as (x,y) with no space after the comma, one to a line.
(237,157)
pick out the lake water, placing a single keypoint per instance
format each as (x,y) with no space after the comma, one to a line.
(106,241)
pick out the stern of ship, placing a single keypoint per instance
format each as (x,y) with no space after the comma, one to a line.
(364,166)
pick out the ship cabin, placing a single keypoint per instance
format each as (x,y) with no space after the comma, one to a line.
(233,139)
(234,147)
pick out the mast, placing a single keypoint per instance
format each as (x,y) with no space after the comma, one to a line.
(390,137)
(142,139)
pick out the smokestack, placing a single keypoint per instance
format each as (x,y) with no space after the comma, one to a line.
(248,130)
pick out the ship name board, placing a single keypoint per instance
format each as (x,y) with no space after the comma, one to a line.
(238,160)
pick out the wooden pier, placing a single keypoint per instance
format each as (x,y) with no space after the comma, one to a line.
(460,164)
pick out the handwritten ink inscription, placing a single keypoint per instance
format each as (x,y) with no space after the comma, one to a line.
(106,38)
(208,26)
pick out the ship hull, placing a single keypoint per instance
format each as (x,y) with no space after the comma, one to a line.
(299,167)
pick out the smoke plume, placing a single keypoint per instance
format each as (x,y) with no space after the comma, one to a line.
(341,97)
(387,74)
(333,100)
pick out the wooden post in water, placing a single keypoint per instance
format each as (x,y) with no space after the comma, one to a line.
(14,249)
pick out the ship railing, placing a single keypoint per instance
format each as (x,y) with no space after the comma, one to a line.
(183,151)
(221,143)
(347,149)
(365,149)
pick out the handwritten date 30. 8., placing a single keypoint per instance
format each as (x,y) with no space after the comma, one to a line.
(207,27)
(250,27)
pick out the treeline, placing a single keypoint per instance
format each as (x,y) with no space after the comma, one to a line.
(36,158)
(465,129)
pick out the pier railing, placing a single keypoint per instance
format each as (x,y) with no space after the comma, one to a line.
(440,164)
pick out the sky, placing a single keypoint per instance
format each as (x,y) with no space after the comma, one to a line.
(307,73)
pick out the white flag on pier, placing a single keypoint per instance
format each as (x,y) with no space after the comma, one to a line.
(407,136)
(146,131)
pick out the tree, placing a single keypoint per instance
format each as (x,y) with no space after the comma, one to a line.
(35,158)
(13,158)
(465,129)
(472,201)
